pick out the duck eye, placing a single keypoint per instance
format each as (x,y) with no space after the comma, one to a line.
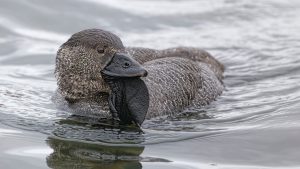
(100,50)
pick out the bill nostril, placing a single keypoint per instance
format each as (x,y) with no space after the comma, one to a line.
(126,65)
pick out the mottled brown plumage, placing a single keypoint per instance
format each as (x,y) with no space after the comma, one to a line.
(78,63)
(178,78)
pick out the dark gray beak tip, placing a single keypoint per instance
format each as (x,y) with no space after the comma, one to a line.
(145,73)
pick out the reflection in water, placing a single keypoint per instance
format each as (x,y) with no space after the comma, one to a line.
(79,155)
(82,142)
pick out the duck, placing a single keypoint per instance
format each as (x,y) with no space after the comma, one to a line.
(97,75)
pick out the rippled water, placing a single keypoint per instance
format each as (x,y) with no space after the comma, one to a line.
(254,124)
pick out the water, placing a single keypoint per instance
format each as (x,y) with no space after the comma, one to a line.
(253,125)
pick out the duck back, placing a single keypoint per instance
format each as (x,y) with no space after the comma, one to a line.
(176,83)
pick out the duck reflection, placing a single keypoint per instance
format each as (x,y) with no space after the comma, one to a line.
(79,155)
(80,145)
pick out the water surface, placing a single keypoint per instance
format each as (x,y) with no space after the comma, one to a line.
(253,125)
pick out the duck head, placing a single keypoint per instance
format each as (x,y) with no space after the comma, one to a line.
(81,58)
(94,61)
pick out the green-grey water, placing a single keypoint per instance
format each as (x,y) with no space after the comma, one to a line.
(253,125)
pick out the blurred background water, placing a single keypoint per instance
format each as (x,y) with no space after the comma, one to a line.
(254,124)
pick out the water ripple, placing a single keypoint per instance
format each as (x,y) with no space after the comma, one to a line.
(257,42)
